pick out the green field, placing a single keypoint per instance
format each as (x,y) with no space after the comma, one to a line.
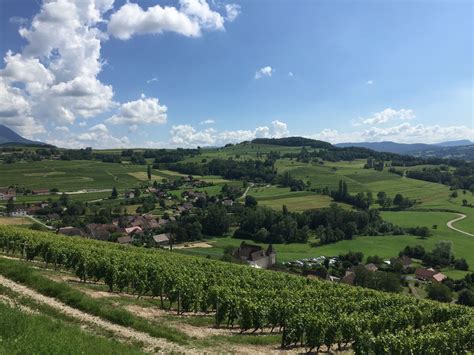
(434,206)
(69,175)
(383,246)
(275,197)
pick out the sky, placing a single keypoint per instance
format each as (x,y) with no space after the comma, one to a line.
(187,73)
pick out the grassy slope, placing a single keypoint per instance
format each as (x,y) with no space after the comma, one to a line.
(22,333)
(430,196)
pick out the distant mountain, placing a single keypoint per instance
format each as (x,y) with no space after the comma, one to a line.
(8,136)
(455,143)
(461,149)
(390,147)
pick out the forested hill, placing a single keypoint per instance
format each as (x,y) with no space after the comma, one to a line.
(294,142)
(462,149)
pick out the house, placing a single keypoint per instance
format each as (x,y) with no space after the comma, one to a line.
(145,222)
(425,274)
(130,194)
(200,195)
(162,222)
(406,261)
(124,240)
(133,230)
(255,255)
(71,231)
(162,239)
(7,193)
(349,278)
(100,231)
(227,202)
(33,209)
(187,205)
(371,267)
(40,192)
(438,277)
(19,212)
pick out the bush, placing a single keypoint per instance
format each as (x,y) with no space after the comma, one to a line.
(461,264)
(466,297)
(439,292)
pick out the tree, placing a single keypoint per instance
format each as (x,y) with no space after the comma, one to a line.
(461,264)
(114,193)
(216,222)
(439,292)
(149,172)
(464,202)
(10,205)
(466,297)
(250,201)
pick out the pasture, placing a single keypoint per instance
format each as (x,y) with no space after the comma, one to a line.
(383,246)
(275,197)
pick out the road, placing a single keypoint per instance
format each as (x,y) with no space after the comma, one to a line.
(247,190)
(38,221)
(450,224)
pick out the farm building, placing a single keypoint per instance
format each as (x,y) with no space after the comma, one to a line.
(161,239)
(406,261)
(20,212)
(425,274)
(71,231)
(40,192)
(129,194)
(255,255)
(124,240)
(145,222)
(7,193)
(133,230)
(100,231)
(430,275)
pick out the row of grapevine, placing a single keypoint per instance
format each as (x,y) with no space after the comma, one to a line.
(306,312)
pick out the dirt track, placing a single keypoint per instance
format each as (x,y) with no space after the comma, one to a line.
(450,224)
(151,344)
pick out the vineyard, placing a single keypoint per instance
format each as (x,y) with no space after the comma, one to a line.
(310,313)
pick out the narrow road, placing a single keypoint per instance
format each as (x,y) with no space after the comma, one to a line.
(247,190)
(450,224)
(39,222)
(151,344)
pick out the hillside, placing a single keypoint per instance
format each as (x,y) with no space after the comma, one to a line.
(293,142)
(181,298)
(461,149)
(10,137)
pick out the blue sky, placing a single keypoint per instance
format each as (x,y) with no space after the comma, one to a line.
(107,73)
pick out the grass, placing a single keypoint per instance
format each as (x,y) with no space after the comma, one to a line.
(384,246)
(15,221)
(22,333)
(275,197)
(69,175)
(22,273)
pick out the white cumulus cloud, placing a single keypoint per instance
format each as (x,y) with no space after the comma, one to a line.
(385,116)
(264,72)
(190,19)
(232,12)
(188,136)
(142,111)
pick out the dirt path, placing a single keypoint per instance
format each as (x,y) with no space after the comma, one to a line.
(39,222)
(450,224)
(151,344)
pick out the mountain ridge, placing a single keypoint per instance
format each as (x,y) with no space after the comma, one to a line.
(9,136)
